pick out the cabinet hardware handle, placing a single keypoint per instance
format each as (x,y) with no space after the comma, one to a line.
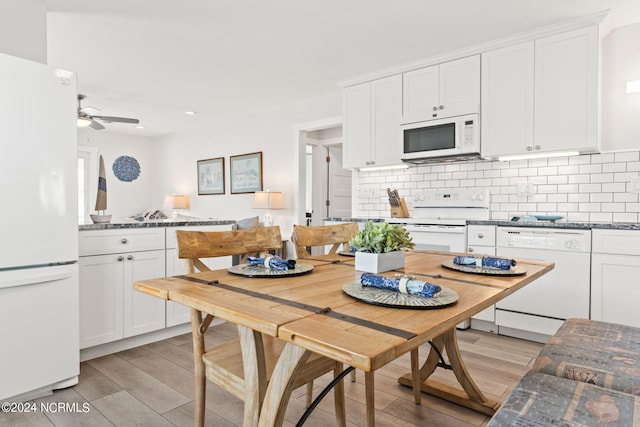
(529,148)
(469,249)
(538,147)
(129,257)
(441,107)
(480,235)
(120,258)
(435,108)
(124,241)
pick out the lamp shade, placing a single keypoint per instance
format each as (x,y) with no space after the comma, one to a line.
(176,201)
(268,200)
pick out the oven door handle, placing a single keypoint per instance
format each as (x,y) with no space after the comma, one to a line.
(435,229)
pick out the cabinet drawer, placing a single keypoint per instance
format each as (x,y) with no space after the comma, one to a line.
(171,232)
(625,242)
(481,235)
(100,242)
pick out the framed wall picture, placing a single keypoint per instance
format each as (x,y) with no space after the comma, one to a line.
(211,176)
(246,173)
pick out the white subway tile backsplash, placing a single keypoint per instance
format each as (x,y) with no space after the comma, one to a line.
(601,217)
(597,168)
(601,197)
(616,187)
(629,156)
(602,177)
(582,188)
(614,167)
(625,217)
(602,158)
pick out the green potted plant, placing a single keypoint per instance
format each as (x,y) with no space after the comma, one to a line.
(379,246)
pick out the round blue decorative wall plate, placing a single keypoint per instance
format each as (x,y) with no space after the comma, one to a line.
(126,168)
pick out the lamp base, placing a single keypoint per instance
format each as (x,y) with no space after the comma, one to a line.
(268,220)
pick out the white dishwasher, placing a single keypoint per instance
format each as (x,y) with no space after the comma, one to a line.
(537,310)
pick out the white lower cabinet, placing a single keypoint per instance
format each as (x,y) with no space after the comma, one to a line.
(109,307)
(615,268)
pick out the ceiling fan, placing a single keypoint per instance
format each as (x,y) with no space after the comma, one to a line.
(87,117)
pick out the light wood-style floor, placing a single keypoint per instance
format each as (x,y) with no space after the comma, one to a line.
(152,385)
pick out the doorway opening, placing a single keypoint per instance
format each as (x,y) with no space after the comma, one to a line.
(328,185)
(324,188)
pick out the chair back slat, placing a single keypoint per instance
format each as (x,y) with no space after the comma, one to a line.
(193,245)
(338,235)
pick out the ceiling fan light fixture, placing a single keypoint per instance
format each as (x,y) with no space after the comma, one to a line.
(83,122)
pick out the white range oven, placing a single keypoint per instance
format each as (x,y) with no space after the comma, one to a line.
(440,216)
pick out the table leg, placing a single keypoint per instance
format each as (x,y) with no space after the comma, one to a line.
(369,392)
(470,396)
(291,361)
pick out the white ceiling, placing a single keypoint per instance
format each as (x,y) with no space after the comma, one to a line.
(155,59)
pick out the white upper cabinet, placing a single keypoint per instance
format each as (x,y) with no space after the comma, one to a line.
(444,90)
(371,128)
(507,100)
(566,91)
(541,96)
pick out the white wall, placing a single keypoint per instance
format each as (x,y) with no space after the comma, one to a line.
(23,29)
(125,198)
(271,132)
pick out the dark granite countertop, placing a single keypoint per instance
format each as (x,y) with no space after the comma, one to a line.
(530,224)
(561,224)
(153,224)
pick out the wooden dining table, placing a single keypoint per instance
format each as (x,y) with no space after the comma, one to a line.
(313,314)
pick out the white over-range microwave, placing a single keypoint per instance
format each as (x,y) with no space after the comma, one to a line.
(452,138)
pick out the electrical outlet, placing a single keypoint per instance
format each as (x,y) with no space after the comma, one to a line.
(524,189)
(373,192)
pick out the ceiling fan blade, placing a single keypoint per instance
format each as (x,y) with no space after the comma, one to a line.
(95,125)
(117,119)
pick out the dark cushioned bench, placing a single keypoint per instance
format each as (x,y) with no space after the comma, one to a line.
(588,374)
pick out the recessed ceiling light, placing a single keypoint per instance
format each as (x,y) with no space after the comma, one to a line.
(139,127)
(190,113)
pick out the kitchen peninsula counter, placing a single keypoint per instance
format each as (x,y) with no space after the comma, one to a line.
(153,224)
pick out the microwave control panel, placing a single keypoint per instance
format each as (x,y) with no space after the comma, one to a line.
(469,132)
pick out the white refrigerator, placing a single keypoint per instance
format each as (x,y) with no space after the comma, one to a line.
(38,230)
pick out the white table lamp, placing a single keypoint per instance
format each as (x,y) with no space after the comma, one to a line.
(268,200)
(176,201)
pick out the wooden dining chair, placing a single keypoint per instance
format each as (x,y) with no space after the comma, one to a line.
(245,373)
(337,235)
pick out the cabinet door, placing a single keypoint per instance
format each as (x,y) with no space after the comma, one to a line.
(142,313)
(386,111)
(459,87)
(507,100)
(101,295)
(357,126)
(614,288)
(566,90)
(420,97)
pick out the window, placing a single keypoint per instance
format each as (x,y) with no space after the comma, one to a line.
(87,180)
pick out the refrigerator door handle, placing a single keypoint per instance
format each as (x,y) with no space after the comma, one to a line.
(33,279)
